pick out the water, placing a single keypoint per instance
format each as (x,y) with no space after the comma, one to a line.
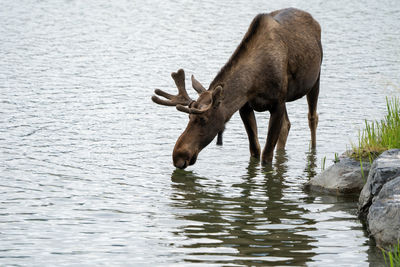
(85,156)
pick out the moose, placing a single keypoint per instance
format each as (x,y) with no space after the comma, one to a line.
(278,61)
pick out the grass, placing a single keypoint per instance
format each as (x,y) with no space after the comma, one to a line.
(392,256)
(362,169)
(323,164)
(336,158)
(379,136)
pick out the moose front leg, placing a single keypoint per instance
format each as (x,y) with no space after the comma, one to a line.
(249,121)
(219,138)
(274,130)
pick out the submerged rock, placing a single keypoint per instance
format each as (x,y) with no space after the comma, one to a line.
(379,202)
(345,176)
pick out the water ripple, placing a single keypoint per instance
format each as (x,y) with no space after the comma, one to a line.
(85,156)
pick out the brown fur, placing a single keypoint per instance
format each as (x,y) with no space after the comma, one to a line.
(277,61)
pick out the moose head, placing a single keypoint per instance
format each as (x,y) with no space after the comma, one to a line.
(206,118)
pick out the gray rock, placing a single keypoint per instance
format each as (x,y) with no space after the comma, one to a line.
(384,214)
(385,168)
(343,177)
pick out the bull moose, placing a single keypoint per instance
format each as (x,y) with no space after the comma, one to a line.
(278,61)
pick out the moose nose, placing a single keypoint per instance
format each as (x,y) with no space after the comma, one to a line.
(181,163)
(183,158)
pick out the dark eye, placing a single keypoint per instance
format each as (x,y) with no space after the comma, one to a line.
(202,120)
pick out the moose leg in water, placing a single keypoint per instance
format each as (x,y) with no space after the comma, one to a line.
(249,121)
(284,132)
(274,129)
(219,138)
(312,99)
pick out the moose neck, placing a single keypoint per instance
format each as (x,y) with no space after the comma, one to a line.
(236,85)
(236,76)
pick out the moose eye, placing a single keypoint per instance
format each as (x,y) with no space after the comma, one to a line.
(202,120)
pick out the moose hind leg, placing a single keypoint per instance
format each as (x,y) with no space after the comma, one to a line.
(249,121)
(284,132)
(312,99)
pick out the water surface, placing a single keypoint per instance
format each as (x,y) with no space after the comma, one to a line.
(86,175)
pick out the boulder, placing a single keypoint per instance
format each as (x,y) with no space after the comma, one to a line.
(344,177)
(384,214)
(379,201)
(384,168)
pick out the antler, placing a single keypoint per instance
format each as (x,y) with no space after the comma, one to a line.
(197,86)
(182,98)
(215,96)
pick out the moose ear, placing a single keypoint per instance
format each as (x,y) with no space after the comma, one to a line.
(217,95)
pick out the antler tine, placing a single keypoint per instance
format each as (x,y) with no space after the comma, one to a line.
(159,101)
(182,98)
(190,110)
(197,86)
(179,78)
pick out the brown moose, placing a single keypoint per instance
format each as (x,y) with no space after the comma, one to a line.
(278,61)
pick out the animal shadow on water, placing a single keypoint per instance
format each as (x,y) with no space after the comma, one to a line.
(249,223)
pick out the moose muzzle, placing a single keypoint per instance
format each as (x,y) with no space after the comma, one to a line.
(183,157)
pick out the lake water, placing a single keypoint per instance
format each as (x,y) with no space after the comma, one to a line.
(86,175)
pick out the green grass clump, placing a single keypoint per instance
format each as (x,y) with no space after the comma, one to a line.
(392,256)
(379,136)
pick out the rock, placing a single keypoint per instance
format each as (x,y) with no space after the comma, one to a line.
(379,202)
(343,177)
(384,214)
(385,168)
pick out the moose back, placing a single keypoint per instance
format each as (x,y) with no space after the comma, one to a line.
(278,61)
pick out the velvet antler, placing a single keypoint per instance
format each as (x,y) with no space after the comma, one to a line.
(215,96)
(182,98)
(197,86)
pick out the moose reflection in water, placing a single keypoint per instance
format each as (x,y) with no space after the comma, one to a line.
(253,225)
(278,61)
